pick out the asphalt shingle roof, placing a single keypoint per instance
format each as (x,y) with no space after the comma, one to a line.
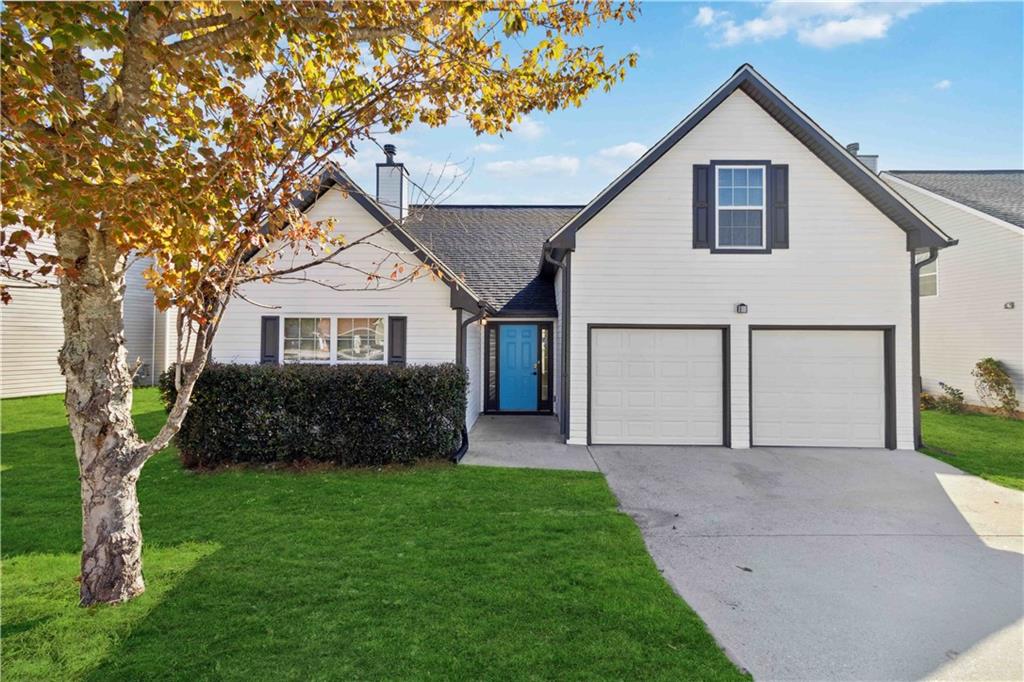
(496,248)
(1000,193)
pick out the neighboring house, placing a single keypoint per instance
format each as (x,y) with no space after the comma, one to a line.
(32,333)
(972,297)
(748,281)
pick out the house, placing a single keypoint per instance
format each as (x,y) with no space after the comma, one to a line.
(748,281)
(32,333)
(971,296)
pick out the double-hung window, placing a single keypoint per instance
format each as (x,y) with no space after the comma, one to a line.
(307,339)
(740,207)
(360,339)
(332,340)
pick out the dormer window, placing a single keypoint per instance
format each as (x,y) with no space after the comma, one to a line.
(740,214)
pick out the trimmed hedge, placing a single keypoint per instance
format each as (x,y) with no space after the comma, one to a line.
(351,415)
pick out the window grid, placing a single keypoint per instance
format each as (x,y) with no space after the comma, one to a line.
(334,340)
(740,207)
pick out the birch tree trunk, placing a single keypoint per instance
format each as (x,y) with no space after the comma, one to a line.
(99,404)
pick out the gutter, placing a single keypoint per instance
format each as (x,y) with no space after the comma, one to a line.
(461,359)
(915,329)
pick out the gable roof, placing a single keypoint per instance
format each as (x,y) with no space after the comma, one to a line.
(921,232)
(495,248)
(462,296)
(999,193)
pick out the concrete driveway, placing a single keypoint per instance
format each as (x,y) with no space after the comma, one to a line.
(817,564)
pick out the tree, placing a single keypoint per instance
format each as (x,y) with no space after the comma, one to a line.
(182,131)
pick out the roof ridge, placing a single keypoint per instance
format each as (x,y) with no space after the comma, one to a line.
(497,205)
(984,170)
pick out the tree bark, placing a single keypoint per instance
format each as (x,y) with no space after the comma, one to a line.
(99,403)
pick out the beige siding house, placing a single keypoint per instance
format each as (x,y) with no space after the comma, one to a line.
(972,297)
(748,282)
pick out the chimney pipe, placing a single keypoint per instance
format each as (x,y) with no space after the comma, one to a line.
(869,160)
(392,184)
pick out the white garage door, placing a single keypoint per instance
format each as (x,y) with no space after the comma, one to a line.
(816,387)
(656,386)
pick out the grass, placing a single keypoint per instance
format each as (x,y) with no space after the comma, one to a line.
(981,444)
(443,572)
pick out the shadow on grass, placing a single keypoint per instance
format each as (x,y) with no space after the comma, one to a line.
(46,635)
(451,572)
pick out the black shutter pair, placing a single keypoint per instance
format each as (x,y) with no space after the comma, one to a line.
(777,207)
(270,333)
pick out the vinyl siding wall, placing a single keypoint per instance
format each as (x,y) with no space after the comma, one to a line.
(31,334)
(846,265)
(966,320)
(475,365)
(556,361)
(425,302)
(139,324)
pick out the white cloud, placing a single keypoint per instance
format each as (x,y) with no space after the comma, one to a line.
(824,25)
(706,16)
(530,129)
(486,148)
(944,84)
(629,150)
(567,165)
(614,159)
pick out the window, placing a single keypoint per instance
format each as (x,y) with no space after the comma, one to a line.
(929,279)
(307,339)
(357,339)
(360,339)
(740,210)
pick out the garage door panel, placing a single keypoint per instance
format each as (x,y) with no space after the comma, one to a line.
(669,388)
(818,387)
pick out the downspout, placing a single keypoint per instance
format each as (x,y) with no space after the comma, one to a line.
(461,359)
(915,327)
(564,315)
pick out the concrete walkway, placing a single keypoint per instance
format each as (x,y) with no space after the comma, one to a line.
(825,564)
(527,441)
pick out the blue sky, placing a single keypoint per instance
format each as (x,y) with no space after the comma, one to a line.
(924,85)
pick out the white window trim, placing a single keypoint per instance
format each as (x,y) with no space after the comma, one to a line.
(921,275)
(763,207)
(334,338)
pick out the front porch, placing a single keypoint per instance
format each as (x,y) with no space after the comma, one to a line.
(524,441)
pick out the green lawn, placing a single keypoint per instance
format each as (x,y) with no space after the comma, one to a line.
(981,444)
(443,572)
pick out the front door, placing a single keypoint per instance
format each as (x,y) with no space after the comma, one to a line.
(517,374)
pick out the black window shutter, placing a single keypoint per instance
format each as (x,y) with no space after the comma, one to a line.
(396,340)
(702,207)
(778,187)
(270,331)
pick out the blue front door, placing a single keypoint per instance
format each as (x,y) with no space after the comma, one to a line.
(517,374)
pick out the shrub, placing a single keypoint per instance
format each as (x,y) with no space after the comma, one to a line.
(351,415)
(927,401)
(995,387)
(951,400)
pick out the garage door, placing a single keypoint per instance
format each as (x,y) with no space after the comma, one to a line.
(817,387)
(656,386)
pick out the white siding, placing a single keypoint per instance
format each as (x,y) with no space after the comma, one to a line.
(556,363)
(475,364)
(966,320)
(846,265)
(139,319)
(31,334)
(425,302)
